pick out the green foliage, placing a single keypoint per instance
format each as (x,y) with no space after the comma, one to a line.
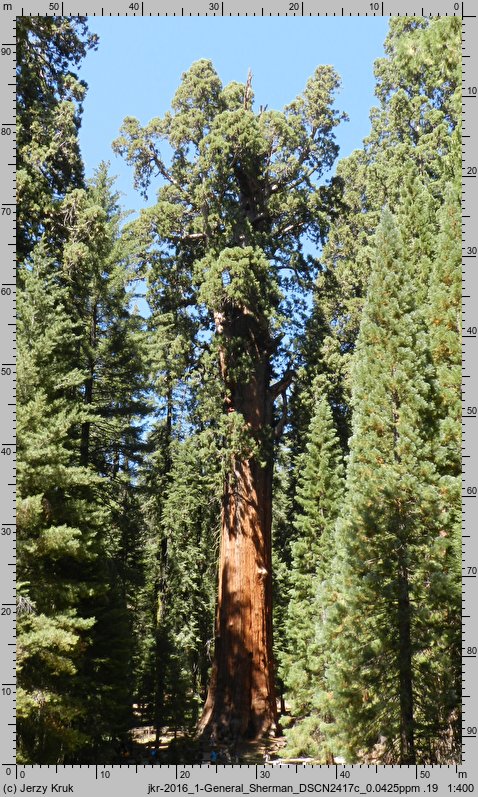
(80,377)
(410,161)
(240,191)
(237,179)
(391,535)
(49,101)
(56,523)
(319,497)
(48,713)
(177,601)
(238,277)
(118,518)
(414,141)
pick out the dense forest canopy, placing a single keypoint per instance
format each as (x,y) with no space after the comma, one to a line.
(239,517)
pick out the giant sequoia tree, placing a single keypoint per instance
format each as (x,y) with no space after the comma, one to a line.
(238,195)
(124,536)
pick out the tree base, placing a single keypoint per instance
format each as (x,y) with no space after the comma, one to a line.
(228,726)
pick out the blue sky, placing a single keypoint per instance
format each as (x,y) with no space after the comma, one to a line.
(139,62)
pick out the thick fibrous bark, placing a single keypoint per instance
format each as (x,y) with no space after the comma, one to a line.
(241,699)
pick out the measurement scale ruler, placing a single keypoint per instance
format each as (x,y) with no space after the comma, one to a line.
(130,779)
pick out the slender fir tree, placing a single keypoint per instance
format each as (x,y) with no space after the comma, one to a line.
(319,496)
(389,528)
(56,524)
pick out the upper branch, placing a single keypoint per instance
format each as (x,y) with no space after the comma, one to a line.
(281,386)
(279,427)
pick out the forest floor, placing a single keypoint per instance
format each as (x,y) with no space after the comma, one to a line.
(179,747)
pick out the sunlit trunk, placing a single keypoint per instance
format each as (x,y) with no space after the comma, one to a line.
(241,699)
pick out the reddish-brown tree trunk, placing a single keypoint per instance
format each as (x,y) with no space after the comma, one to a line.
(241,700)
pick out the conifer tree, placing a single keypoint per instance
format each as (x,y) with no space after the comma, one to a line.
(238,195)
(49,106)
(180,578)
(319,496)
(90,399)
(281,553)
(415,131)
(390,525)
(55,536)
(101,279)
(172,351)
(190,521)
(444,318)
(441,676)
(56,523)
(126,535)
